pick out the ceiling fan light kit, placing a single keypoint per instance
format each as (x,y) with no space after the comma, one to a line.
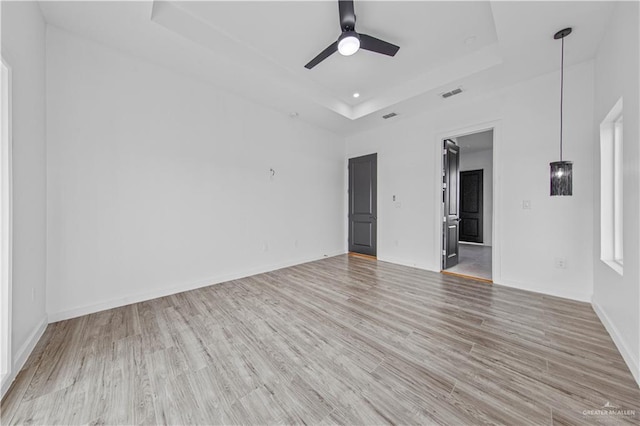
(561,172)
(350,41)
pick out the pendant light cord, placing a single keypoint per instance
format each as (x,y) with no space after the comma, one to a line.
(561,93)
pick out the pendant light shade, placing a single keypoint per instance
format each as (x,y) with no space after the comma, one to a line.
(561,172)
(561,178)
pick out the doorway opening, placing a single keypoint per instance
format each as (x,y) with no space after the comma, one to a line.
(467,202)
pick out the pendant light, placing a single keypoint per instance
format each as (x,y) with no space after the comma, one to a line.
(561,171)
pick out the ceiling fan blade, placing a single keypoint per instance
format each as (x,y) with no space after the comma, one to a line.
(376,45)
(347,15)
(323,55)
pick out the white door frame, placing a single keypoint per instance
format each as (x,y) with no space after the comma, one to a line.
(496,126)
(6,368)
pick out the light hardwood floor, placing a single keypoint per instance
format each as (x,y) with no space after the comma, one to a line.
(342,340)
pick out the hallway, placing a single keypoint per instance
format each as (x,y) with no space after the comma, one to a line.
(475,261)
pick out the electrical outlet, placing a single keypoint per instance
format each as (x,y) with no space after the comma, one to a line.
(526,204)
(561,263)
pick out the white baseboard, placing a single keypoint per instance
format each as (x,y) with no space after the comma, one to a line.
(23,354)
(513,284)
(167,291)
(423,266)
(627,355)
(580,297)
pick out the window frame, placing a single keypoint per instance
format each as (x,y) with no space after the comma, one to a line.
(611,188)
(6,366)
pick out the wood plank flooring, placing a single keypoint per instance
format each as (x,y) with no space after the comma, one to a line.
(343,340)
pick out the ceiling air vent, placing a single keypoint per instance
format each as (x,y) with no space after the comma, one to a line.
(390,115)
(451,93)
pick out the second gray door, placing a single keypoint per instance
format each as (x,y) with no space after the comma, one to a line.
(363,204)
(471,214)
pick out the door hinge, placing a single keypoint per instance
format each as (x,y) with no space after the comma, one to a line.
(444,252)
(444,151)
(444,185)
(444,219)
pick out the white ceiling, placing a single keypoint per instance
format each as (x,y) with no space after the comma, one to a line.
(475,142)
(257,49)
(291,33)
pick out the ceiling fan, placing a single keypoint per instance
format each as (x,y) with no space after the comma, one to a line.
(350,41)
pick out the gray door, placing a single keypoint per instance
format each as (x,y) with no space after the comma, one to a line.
(363,201)
(450,198)
(471,206)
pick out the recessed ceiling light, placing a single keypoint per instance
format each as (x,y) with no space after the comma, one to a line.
(356,95)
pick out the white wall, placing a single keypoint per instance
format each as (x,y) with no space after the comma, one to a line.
(526,140)
(617,298)
(23,47)
(157,182)
(482,160)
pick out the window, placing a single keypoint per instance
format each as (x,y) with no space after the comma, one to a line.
(611,189)
(5,218)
